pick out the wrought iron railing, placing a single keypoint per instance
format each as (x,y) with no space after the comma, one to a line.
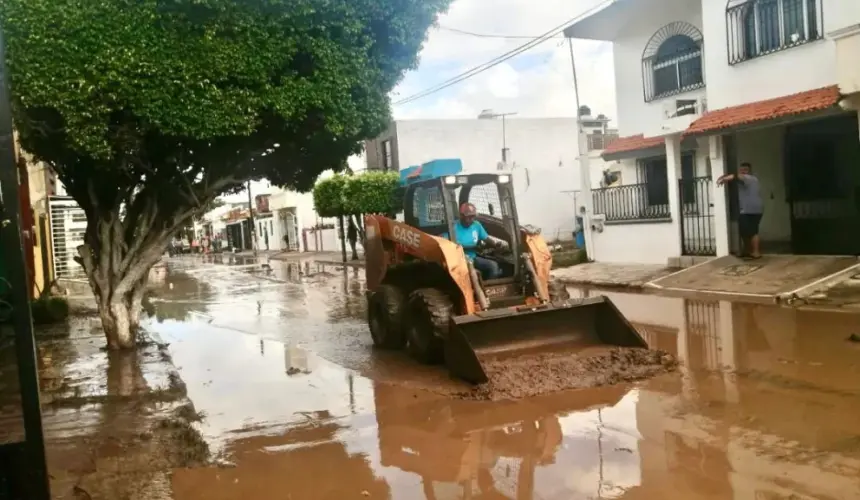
(759,27)
(697,216)
(631,202)
(599,142)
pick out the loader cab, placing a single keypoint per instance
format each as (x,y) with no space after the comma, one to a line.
(432,205)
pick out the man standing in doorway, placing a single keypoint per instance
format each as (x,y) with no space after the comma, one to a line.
(751,208)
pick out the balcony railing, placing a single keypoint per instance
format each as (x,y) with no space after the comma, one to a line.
(632,202)
(599,142)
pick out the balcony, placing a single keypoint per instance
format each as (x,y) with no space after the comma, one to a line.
(632,203)
(599,142)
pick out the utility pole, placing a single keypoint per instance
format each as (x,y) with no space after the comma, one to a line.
(24,465)
(584,167)
(251,218)
(489,114)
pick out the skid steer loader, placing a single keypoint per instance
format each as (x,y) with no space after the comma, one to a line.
(424,294)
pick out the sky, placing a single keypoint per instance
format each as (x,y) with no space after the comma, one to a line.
(536,83)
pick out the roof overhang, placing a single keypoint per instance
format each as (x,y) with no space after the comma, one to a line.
(809,105)
(649,148)
(609,20)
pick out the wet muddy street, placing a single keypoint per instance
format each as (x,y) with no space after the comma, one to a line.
(272,366)
(298,405)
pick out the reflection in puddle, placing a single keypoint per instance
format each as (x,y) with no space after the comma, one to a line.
(281,363)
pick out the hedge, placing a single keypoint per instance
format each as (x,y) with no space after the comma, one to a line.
(372,192)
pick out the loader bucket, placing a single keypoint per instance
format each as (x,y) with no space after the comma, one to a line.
(561,326)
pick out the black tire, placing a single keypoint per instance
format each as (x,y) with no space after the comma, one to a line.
(385,310)
(429,311)
(558,291)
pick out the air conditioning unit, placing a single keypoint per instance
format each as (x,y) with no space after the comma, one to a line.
(684,107)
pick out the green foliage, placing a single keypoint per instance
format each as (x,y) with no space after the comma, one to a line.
(328,196)
(175,102)
(371,192)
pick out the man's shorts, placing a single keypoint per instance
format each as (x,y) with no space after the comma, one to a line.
(748,224)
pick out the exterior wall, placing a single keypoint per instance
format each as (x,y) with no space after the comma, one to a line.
(635,116)
(765,77)
(647,243)
(374,152)
(542,157)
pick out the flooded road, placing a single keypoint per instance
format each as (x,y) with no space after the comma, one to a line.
(298,405)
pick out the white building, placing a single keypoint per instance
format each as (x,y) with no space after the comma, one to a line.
(541,153)
(704,85)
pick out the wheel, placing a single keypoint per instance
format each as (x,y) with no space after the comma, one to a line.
(385,310)
(429,311)
(558,291)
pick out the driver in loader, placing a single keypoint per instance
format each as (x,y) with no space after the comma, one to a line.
(470,233)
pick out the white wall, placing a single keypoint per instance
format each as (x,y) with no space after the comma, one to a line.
(635,116)
(806,67)
(546,147)
(646,243)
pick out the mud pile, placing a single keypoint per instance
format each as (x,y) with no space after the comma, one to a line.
(534,375)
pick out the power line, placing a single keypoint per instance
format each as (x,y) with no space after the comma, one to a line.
(490,35)
(502,58)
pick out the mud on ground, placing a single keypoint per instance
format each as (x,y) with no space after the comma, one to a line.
(115,424)
(538,374)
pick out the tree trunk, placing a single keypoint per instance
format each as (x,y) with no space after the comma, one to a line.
(118,274)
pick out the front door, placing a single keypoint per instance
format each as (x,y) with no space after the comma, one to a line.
(823,184)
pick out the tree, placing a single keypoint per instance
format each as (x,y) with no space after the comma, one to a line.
(584,111)
(148,109)
(369,193)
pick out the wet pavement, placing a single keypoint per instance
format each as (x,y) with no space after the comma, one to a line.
(301,406)
(297,404)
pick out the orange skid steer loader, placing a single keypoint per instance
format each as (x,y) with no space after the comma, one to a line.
(426,295)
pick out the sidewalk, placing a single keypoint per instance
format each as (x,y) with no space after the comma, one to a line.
(115,424)
(601,274)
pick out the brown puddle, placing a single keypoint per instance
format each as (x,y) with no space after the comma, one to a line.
(764,405)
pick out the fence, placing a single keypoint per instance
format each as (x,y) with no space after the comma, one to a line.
(697,216)
(628,203)
(68,225)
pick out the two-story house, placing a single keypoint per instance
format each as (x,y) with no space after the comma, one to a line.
(704,85)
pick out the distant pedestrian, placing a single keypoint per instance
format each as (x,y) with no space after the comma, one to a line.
(751,208)
(352,237)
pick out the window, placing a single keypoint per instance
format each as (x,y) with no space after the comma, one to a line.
(760,27)
(672,61)
(387,155)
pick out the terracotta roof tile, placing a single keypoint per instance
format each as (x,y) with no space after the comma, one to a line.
(632,143)
(803,102)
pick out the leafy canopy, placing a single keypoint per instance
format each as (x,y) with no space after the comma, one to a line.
(371,192)
(171,102)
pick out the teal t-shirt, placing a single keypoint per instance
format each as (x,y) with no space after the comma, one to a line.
(468,237)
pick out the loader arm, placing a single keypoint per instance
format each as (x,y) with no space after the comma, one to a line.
(389,242)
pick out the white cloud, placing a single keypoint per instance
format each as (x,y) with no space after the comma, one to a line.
(536,83)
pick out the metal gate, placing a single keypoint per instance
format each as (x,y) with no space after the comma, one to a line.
(68,225)
(697,216)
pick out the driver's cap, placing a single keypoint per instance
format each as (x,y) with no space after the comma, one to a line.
(468,210)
